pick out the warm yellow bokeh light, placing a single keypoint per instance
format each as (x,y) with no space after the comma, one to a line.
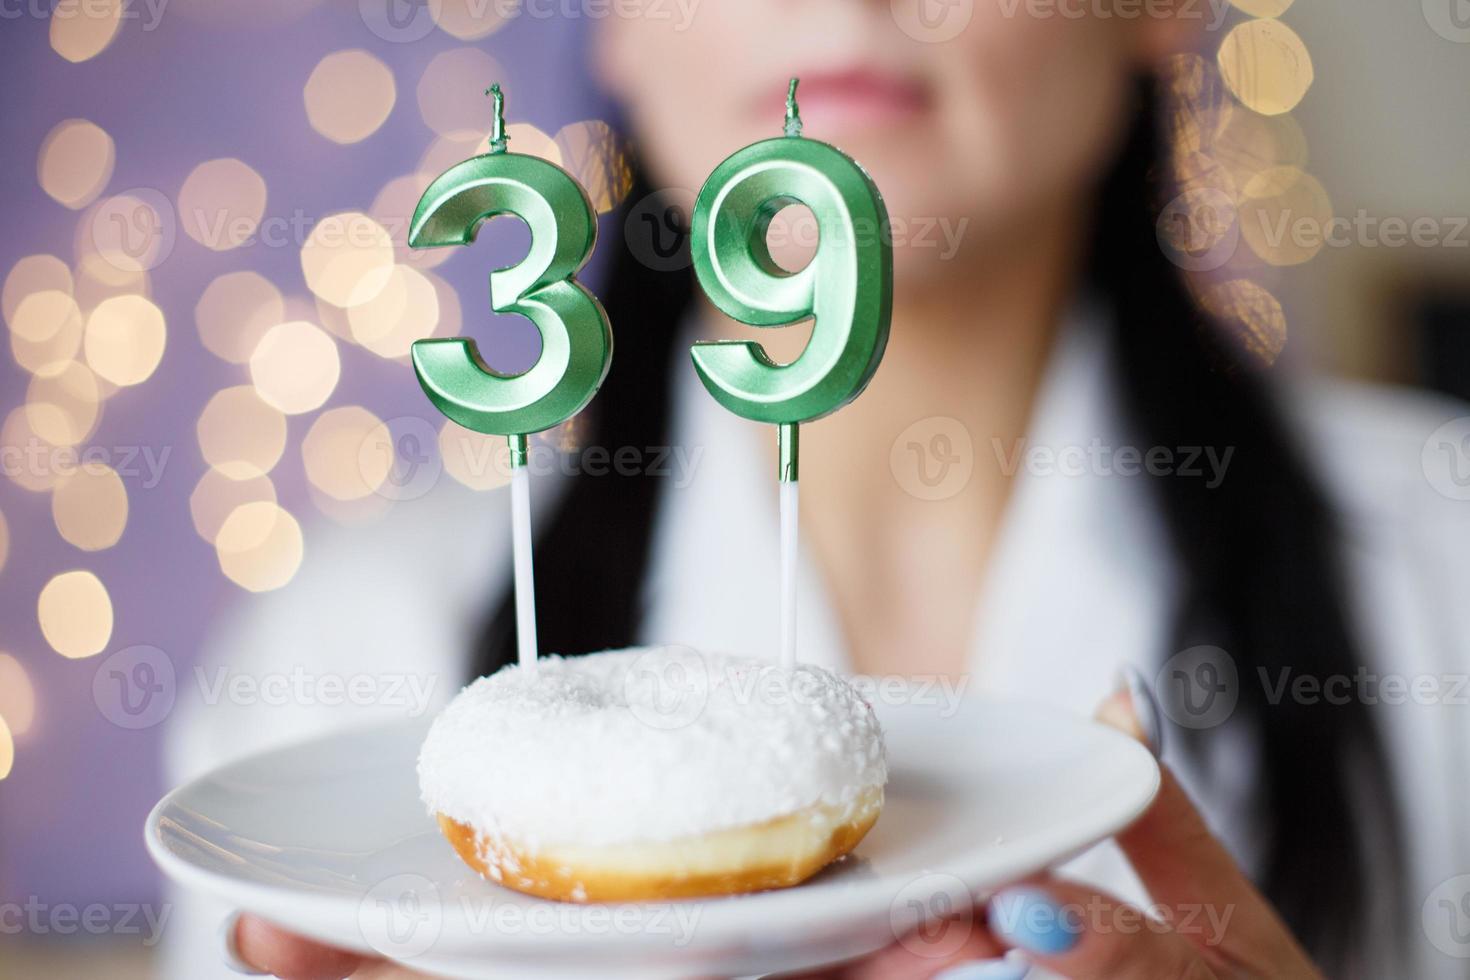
(451,148)
(34,463)
(4,541)
(98,280)
(259,546)
(46,332)
(7,750)
(1285,215)
(33,274)
(334,457)
(471,20)
(406,310)
(90,507)
(125,339)
(82,29)
(1266,66)
(75,162)
(125,234)
(479,461)
(532,141)
(451,91)
(393,209)
(595,155)
(234,312)
(347,258)
(216,496)
(295,366)
(17,695)
(1262,8)
(75,612)
(1250,314)
(349,95)
(63,408)
(221,203)
(240,435)
(1250,143)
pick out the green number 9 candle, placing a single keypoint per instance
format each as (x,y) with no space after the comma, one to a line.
(576,340)
(847,289)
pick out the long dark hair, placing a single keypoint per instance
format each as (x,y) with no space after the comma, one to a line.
(1261,576)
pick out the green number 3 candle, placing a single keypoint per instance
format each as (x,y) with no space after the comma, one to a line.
(576,340)
(847,289)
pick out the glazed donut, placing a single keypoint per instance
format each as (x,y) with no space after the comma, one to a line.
(657,773)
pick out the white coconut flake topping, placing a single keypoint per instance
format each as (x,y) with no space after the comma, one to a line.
(646,744)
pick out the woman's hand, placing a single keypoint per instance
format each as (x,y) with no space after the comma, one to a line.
(1216,926)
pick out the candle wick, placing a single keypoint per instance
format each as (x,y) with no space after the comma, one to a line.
(793,112)
(498,139)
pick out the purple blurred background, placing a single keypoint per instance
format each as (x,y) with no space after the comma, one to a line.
(199,82)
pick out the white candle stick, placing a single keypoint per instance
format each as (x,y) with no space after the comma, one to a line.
(525,583)
(790,511)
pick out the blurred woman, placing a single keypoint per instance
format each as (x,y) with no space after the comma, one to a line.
(1034,311)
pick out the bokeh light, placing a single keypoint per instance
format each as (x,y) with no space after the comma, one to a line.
(595,155)
(1262,8)
(333,452)
(1251,314)
(63,408)
(451,91)
(90,507)
(97,280)
(393,209)
(471,20)
(17,695)
(34,466)
(347,258)
(259,546)
(295,366)
(125,234)
(216,496)
(235,311)
(7,750)
(75,613)
(407,309)
(532,141)
(1266,66)
(4,541)
(33,274)
(1285,215)
(75,162)
(349,95)
(240,435)
(477,460)
(82,29)
(221,203)
(46,332)
(125,338)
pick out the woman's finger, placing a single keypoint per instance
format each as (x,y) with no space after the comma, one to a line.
(1186,870)
(1078,933)
(278,953)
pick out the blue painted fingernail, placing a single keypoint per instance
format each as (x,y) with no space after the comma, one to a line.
(1030,919)
(1009,968)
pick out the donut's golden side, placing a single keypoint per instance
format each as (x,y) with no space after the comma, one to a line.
(775,854)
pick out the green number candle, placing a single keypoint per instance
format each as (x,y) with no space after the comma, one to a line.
(847,289)
(576,339)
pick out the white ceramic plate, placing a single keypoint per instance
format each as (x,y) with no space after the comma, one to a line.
(329,839)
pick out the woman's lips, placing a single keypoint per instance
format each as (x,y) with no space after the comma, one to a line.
(857,99)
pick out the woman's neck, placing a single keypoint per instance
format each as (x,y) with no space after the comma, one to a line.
(902,490)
